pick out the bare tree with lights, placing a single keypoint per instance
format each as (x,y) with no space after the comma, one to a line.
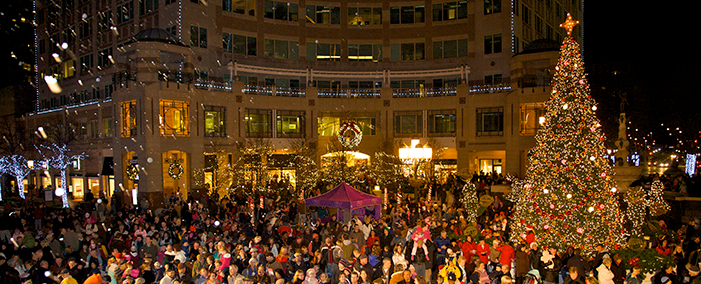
(60,159)
(3,171)
(568,194)
(17,166)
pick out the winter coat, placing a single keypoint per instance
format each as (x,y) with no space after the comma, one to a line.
(522,264)
(605,274)
(483,252)
(619,272)
(552,268)
(507,255)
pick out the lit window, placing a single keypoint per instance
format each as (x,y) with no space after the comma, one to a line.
(490,121)
(290,123)
(441,122)
(531,121)
(129,116)
(362,16)
(492,6)
(214,121)
(258,123)
(174,118)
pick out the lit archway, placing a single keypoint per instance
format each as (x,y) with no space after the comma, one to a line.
(176,177)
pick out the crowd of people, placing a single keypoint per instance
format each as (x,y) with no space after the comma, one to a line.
(237,240)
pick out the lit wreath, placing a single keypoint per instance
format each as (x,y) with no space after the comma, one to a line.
(132,172)
(357,134)
(172,170)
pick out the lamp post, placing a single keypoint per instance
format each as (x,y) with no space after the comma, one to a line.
(415,156)
(30,165)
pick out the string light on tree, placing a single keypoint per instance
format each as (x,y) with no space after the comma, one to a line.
(17,166)
(567,195)
(655,199)
(470,202)
(60,160)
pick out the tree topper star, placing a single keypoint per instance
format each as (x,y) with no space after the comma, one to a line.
(569,24)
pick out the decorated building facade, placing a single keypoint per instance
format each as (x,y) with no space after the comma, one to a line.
(155,89)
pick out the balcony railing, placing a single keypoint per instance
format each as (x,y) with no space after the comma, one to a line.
(424,92)
(274,91)
(528,81)
(213,85)
(480,87)
(349,93)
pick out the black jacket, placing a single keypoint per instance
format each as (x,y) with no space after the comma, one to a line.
(577,261)
(619,272)
(420,257)
(552,274)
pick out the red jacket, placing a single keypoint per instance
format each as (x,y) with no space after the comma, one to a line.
(483,252)
(467,248)
(507,255)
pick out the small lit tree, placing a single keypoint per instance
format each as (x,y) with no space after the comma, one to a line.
(60,160)
(306,170)
(470,202)
(222,175)
(17,166)
(252,165)
(655,199)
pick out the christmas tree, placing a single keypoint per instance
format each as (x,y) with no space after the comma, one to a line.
(568,194)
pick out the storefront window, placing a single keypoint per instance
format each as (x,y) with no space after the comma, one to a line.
(488,166)
(77,185)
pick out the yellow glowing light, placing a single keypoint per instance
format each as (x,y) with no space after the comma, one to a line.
(569,24)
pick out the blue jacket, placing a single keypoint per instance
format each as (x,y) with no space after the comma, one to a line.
(441,242)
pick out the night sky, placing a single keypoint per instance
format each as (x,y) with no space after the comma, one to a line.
(656,46)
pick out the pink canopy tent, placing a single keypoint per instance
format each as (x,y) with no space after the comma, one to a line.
(348,198)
